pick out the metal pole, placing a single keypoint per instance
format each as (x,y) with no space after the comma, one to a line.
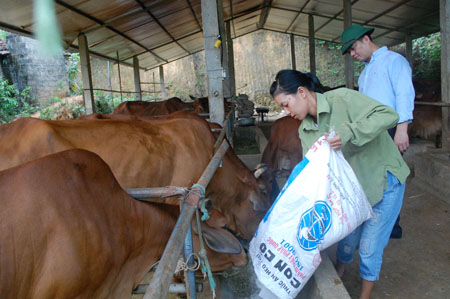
(159,285)
(189,275)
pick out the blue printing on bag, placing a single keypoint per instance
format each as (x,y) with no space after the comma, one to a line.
(295,172)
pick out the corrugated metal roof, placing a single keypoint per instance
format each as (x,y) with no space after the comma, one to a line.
(160,31)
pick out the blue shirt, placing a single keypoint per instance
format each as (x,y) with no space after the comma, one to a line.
(387,79)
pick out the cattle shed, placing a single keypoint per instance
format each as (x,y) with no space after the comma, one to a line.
(148,34)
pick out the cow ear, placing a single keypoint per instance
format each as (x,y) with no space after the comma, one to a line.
(195,99)
(221,240)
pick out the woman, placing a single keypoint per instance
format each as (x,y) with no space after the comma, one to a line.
(361,125)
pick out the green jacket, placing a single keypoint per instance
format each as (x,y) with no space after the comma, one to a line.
(362,124)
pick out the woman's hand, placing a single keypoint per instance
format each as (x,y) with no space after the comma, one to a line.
(335,142)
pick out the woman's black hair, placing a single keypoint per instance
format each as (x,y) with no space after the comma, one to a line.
(288,82)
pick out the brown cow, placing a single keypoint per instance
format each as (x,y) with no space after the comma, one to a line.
(143,108)
(68,230)
(283,150)
(427,120)
(146,153)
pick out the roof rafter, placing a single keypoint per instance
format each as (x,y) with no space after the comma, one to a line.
(341,19)
(299,12)
(76,10)
(193,13)
(381,14)
(334,17)
(265,13)
(161,25)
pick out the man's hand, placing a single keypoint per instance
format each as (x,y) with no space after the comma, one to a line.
(401,138)
(334,142)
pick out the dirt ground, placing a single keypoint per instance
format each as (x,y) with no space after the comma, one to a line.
(418,265)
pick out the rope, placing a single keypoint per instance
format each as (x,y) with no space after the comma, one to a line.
(206,269)
(199,189)
(204,210)
(184,265)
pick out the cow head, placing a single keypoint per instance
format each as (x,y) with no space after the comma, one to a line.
(266,181)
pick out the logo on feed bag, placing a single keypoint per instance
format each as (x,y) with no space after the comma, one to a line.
(313,226)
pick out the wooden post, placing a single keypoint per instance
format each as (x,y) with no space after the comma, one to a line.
(120,79)
(349,73)
(213,64)
(312,45)
(86,74)
(408,50)
(445,70)
(154,85)
(161,81)
(137,79)
(226,72)
(109,80)
(230,53)
(292,40)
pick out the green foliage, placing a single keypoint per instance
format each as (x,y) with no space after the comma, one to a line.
(78,110)
(2,34)
(72,74)
(13,103)
(427,56)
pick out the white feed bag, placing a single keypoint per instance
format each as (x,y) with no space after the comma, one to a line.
(321,203)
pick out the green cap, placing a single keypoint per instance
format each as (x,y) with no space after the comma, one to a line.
(351,34)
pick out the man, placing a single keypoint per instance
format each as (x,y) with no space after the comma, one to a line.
(386,78)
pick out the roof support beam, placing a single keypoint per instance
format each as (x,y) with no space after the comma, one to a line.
(408,26)
(312,45)
(230,53)
(161,82)
(232,16)
(408,53)
(333,17)
(445,71)
(76,10)
(226,81)
(160,25)
(86,75)
(193,14)
(137,79)
(213,64)
(292,42)
(298,14)
(382,14)
(265,13)
(349,72)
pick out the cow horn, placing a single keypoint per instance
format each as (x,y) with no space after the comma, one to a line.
(260,170)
